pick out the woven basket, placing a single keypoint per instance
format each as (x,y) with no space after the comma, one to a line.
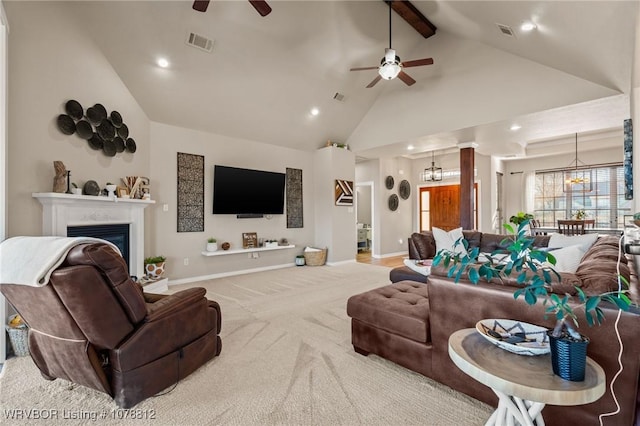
(315,258)
(19,337)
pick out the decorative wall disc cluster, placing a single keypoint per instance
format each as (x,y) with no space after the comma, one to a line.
(102,131)
(404,190)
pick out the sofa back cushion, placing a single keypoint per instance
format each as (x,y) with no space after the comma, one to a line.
(598,269)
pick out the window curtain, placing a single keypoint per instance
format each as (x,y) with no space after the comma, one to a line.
(528,195)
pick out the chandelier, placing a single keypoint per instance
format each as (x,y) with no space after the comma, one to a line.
(433,173)
(577,179)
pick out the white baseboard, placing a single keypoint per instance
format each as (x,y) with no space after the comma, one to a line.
(228,274)
(341,262)
(382,256)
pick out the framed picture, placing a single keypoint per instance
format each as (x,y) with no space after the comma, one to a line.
(344,192)
(122,192)
(249,240)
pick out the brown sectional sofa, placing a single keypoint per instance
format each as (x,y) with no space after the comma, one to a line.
(409,322)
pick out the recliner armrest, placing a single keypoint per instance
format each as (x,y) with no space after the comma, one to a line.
(173,303)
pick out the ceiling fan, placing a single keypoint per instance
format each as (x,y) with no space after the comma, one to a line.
(260,5)
(391,66)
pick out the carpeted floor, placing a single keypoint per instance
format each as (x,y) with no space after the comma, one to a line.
(286,359)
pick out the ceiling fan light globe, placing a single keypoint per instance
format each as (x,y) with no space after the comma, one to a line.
(389,70)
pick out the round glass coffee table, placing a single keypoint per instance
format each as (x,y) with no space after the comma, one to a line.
(524,384)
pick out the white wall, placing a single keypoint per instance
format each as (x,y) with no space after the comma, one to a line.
(47,67)
(335,225)
(395,226)
(4,33)
(220,150)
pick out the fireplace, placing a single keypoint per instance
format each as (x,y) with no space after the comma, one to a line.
(61,212)
(118,234)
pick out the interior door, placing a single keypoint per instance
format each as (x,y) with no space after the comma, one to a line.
(444,206)
(443,210)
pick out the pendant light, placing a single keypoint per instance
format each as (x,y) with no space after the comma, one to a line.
(433,173)
(577,179)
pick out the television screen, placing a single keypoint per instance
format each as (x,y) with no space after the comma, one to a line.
(244,191)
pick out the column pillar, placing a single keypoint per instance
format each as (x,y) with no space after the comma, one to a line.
(467,167)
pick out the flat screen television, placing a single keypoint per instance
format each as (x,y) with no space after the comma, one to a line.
(247,192)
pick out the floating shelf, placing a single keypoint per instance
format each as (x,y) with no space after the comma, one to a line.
(247,250)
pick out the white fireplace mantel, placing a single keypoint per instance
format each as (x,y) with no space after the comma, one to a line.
(63,210)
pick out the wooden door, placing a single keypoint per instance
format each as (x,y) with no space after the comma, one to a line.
(444,204)
(444,207)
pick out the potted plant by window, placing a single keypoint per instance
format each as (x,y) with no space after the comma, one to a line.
(520,217)
(535,273)
(154,266)
(580,214)
(212,244)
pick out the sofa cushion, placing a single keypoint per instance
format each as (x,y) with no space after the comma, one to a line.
(599,267)
(403,273)
(424,244)
(585,241)
(448,240)
(401,308)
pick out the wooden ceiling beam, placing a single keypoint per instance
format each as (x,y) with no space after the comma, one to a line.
(417,20)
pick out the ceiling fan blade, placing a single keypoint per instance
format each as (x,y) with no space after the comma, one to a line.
(363,68)
(418,62)
(201,5)
(405,77)
(261,6)
(373,83)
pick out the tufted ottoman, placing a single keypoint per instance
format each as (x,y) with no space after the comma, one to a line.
(393,322)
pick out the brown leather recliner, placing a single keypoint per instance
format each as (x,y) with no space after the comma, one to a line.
(92,325)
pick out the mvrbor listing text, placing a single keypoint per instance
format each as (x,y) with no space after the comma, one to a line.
(64,414)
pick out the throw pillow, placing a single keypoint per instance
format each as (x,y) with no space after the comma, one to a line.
(567,258)
(447,240)
(560,241)
(420,266)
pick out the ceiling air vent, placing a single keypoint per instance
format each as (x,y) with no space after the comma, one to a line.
(506,30)
(200,42)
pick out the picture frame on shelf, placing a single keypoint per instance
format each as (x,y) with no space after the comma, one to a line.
(249,240)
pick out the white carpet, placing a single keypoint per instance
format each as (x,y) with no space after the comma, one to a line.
(286,359)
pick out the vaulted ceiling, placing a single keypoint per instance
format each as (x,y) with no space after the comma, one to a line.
(571,74)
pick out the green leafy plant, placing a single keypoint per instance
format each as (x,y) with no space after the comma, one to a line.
(520,217)
(580,214)
(533,269)
(211,240)
(154,260)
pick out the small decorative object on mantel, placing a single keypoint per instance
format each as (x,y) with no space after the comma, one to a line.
(91,187)
(212,244)
(111,188)
(226,245)
(102,131)
(60,179)
(271,244)
(136,186)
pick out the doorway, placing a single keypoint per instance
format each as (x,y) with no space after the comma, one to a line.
(440,207)
(364,217)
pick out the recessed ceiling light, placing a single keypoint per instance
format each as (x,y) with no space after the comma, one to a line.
(515,127)
(315,111)
(410,147)
(528,26)
(163,63)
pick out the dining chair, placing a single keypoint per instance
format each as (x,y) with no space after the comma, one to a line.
(534,226)
(571,227)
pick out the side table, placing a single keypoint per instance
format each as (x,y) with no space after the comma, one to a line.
(523,384)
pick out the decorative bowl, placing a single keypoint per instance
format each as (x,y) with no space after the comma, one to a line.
(502,333)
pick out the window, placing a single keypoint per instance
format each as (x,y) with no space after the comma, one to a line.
(605,202)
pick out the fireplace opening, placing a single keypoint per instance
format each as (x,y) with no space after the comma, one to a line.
(118,234)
